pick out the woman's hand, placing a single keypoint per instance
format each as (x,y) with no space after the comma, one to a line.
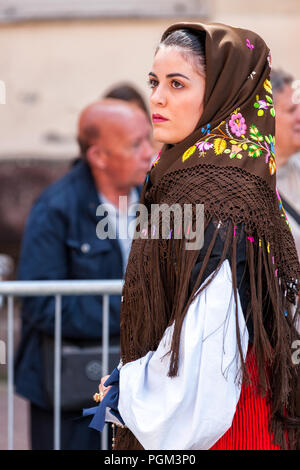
(102,389)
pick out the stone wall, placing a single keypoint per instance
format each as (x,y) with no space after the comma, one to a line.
(52,69)
(21,182)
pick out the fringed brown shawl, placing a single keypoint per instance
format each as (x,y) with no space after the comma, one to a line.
(227,164)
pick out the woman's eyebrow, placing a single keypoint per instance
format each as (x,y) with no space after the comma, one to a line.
(170,75)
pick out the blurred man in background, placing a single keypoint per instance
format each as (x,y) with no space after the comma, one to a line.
(128,92)
(287,148)
(60,242)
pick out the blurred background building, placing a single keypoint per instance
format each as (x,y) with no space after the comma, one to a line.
(59,55)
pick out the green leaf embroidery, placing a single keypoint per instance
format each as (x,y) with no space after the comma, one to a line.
(269,99)
(254,151)
(255,134)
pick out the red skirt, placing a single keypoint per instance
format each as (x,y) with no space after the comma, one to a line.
(249,429)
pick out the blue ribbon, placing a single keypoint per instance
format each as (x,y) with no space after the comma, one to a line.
(110,400)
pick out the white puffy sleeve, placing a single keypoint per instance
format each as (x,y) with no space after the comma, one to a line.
(194,409)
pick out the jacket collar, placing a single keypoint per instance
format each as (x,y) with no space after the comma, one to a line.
(89,198)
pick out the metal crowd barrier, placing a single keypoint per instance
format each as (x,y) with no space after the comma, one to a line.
(11,289)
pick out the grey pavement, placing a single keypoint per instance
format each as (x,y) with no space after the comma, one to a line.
(21,422)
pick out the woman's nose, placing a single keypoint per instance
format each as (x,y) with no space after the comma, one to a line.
(158,97)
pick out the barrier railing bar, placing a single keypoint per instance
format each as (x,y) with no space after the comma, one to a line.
(105,346)
(78,287)
(10,371)
(57,370)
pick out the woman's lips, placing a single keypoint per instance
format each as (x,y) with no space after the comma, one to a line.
(158,118)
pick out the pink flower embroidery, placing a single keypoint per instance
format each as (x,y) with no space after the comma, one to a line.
(203,146)
(237,124)
(248,43)
(262,104)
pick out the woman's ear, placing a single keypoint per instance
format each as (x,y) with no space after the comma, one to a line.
(96,157)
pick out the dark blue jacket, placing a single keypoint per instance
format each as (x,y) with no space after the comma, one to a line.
(60,242)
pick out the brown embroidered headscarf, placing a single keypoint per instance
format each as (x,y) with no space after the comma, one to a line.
(227,164)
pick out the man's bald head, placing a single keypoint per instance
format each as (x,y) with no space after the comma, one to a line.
(115,140)
(106,115)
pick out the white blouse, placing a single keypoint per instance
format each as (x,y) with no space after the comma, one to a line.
(194,409)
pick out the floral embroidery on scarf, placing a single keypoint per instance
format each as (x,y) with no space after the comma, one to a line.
(156,159)
(203,146)
(206,129)
(219,145)
(229,138)
(270,156)
(281,208)
(237,124)
(268,86)
(262,104)
(248,44)
(188,153)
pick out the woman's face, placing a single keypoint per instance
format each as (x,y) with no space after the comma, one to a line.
(176,101)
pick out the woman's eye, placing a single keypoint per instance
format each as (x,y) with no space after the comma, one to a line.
(152,83)
(176,84)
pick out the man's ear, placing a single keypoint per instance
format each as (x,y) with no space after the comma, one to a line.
(96,157)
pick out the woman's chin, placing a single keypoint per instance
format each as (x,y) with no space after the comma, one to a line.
(160,135)
(163,137)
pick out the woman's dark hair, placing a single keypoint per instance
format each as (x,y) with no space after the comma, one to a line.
(190,44)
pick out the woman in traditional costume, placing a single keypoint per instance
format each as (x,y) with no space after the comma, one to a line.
(209,335)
